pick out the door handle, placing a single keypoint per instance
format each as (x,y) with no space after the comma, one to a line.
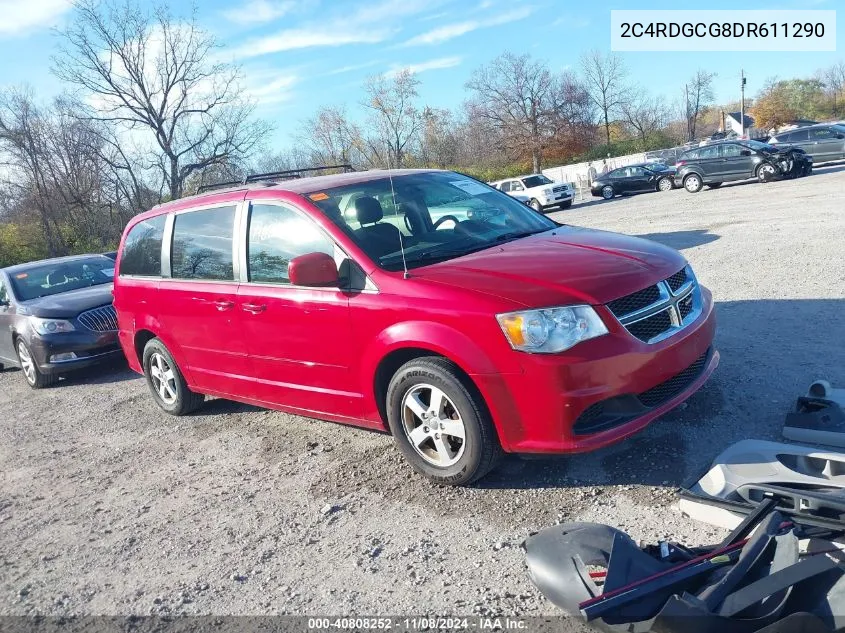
(254,308)
(224,304)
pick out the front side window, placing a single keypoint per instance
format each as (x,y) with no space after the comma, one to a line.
(731,150)
(276,235)
(438,216)
(202,245)
(142,248)
(52,278)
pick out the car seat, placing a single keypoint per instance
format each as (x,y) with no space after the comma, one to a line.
(380,238)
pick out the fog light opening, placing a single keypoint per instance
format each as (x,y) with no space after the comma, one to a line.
(61,358)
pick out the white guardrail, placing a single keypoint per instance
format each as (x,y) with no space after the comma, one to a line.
(576,174)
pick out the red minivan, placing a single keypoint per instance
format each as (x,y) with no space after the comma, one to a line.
(420,302)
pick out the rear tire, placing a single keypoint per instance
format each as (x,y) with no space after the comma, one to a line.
(34,377)
(166,382)
(714,185)
(692,183)
(440,423)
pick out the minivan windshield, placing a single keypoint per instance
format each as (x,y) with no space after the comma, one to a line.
(51,278)
(428,217)
(536,181)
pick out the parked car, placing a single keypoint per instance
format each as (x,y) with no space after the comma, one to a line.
(822,142)
(56,315)
(490,329)
(637,178)
(112,255)
(542,192)
(724,161)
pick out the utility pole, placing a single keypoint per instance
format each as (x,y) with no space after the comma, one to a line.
(742,102)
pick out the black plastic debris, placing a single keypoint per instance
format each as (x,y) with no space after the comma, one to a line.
(754,581)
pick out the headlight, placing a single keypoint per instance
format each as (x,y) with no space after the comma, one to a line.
(550,330)
(547,193)
(50,326)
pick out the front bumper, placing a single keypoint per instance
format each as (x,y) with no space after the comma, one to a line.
(558,199)
(546,408)
(91,348)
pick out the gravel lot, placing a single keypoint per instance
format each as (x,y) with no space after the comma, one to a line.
(108,506)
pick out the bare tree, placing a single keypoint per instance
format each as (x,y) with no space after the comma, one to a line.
(646,114)
(140,68)
(524,102)
(604,78)
(834,80)
(330,137)
(396,119)
(698,97)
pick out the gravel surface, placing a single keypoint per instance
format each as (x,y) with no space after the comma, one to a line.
(108,506)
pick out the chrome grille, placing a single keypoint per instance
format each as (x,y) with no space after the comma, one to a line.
(655,313)
(560,189)
(652,326)
(103,319)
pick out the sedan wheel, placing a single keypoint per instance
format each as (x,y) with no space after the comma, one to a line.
(664,184)
(34,377)
(692,183)
(433,425)
(607,192)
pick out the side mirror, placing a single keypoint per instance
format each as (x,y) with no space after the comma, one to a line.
(313,269)
(745,152)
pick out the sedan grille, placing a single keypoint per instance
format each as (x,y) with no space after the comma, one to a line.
(103,319)
(658,311)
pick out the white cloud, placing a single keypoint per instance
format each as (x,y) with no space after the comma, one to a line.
(259,11)
(270,86)
(20,16)
(366,24)
(350,68)
(456,29)
(421,67)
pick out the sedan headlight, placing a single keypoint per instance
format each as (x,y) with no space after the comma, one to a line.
(50,326)
(550,330)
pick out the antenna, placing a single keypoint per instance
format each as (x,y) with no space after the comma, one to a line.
(406,275)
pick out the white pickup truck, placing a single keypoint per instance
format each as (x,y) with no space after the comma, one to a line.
(541,192)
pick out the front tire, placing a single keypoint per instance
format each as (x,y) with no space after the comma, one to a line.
(566,204)
(535,204)
(166,382)
(35,378)
(766,172)
(440,423)
(692,183)
(607,192)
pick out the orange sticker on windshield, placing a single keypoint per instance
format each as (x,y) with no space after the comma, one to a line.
(21,275)
(316,197)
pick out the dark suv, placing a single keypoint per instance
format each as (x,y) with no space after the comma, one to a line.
(822,142)
(724,161)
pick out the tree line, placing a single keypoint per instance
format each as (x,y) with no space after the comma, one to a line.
(149,113)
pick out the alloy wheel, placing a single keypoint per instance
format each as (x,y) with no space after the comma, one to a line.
(163,378)
(607,192)
(665,184)
(433,425)
(27,364)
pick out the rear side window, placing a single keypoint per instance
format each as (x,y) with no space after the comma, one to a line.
(709,152)
(276,235)
(202,244)
(142,248)
(821,134)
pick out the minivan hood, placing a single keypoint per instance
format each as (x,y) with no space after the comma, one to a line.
(566,265)
(67,305)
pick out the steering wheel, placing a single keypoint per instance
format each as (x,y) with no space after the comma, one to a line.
(444,218)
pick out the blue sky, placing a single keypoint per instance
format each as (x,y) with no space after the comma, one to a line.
(300,54)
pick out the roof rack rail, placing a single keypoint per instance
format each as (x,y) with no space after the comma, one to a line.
(294,173)
(217,185)
(287,174)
